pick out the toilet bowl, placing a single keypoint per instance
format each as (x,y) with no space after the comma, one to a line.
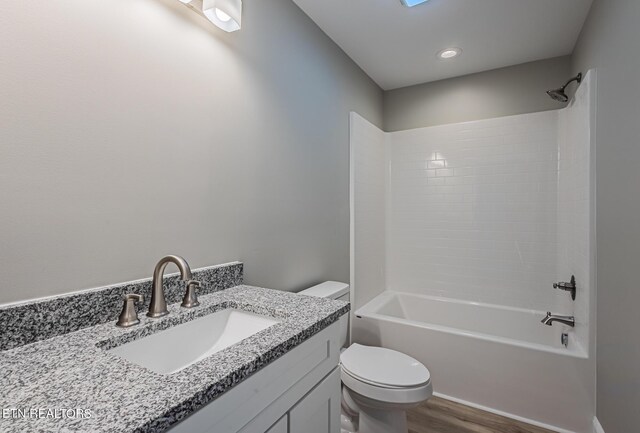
(379,384)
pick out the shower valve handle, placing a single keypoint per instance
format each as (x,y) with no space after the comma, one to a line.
(569,287)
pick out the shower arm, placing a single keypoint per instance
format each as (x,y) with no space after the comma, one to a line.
(577,78)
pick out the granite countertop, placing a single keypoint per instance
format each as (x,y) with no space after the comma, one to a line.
(75,370)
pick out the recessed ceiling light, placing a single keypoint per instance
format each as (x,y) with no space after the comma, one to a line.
(449,53)
(412,3)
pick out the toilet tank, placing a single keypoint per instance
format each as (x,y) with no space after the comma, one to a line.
(333,290)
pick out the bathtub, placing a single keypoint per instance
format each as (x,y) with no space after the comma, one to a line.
(496,358)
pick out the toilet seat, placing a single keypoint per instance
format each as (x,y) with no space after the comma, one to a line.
(385,375)
(386,398)
(384,367)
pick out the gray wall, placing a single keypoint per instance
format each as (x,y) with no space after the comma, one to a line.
(501,92)
(134,128)
(609,42)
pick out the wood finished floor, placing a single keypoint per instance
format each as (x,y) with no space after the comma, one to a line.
(443,416)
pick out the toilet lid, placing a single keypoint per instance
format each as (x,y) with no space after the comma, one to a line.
(382,366)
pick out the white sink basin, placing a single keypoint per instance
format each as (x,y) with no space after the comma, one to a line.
(178,347)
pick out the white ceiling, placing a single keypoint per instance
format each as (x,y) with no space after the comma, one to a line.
(397,45)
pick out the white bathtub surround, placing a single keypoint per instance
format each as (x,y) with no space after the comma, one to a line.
(472,210)
(481,219)
(368,206)
(576,207)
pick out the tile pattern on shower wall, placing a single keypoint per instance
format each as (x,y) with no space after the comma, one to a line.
(368,162)
(574,207)
(473,210)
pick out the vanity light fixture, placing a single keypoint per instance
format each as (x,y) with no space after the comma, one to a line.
(449,53)
(226,14)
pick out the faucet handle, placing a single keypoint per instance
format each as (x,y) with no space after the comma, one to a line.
(569,287)
(190,299)
(129,315)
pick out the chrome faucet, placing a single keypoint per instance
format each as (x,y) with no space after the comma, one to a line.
(567,320)
(158,305)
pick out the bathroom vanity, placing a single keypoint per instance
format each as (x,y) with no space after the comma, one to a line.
(299,392)
(272,366)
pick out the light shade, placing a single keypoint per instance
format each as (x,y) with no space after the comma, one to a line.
(226,14)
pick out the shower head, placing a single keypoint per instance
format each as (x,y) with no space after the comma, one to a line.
(559,94)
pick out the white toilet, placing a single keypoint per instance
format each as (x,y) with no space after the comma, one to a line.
(379,384)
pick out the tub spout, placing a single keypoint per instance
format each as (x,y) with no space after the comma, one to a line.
(567,320)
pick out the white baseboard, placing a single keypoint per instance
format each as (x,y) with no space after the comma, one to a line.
(510,415)
(597,427)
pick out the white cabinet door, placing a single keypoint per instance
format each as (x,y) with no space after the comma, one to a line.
(280,427)
(319,410)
